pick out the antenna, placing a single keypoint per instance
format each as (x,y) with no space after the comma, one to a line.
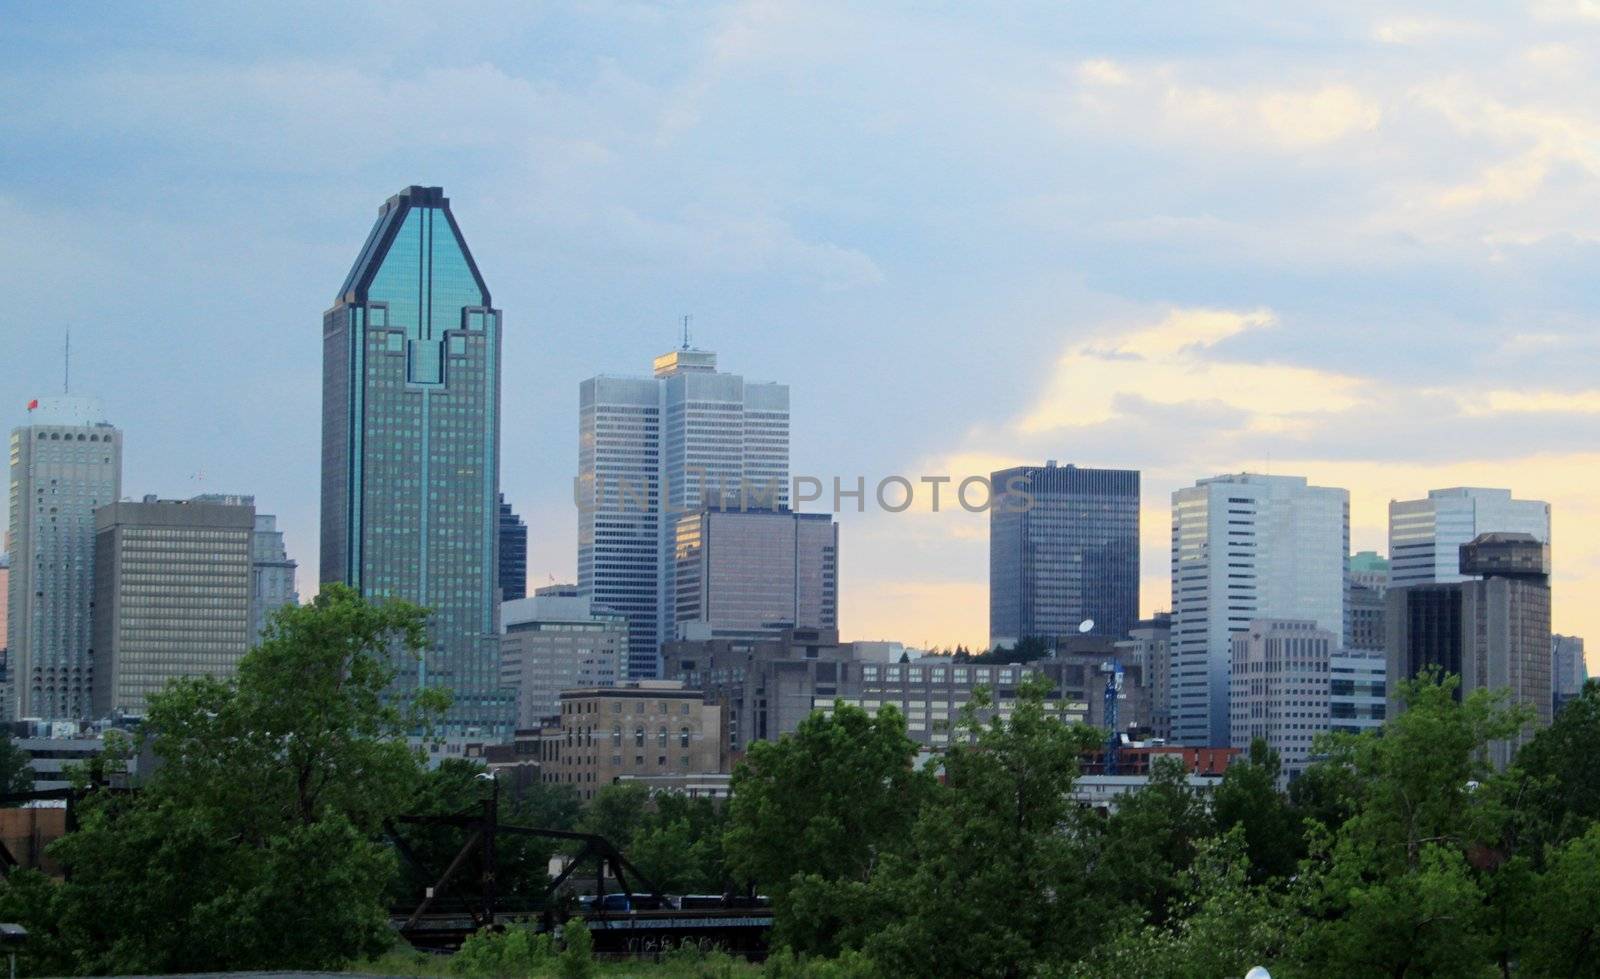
(686,318)
(66,364)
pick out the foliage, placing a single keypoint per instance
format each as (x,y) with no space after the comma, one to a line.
(577,951)
(1563,914)
(254,843)
(616,812)
(1561,769)
(1147,845)
(993,881)
(27,898)
(1248,798)
(15,773)
(829,800)
(678,845)
(512,952)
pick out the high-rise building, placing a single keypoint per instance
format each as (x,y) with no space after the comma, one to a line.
(1358,691)
(1149,646)
(1280,688)
(65,462)
(652,448)
(1568,672)
(1368,582)
(272,571)
(172,596)
(1492,630)
(411,449)
(1063,550)
(558,641)
(513,554)
(5,662)
(1247,547)
(1425,536)
(754,573)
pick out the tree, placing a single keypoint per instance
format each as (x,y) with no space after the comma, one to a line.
(1146,846)
(616,812)
(1248,797)
(16,775)
(252,844)
(993,884)
(1560,768)
(1563,917)
(679,845)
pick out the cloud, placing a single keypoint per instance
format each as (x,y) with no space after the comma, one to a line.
(1425,30)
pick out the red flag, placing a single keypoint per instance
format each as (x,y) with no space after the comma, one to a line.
(33,404)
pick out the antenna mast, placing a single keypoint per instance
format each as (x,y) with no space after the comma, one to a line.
(66,364)
(686,319)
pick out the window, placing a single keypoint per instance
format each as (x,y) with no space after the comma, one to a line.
(638,737)
(661,737)
(616,735)
(683,737)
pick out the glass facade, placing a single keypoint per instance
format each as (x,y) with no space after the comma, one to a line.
(753,574)
(513,554)
(1425,536)
(1070,556)
(411,448)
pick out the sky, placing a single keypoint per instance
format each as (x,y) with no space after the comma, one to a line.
(1353,242)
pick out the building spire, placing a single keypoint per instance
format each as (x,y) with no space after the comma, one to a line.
(686,318)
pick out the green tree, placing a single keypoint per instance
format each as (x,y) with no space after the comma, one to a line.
(679,844)
(16,775)
(994,883)
(253,844)
(1563,914)
(616,812)
(1147,845)
(1560,769)
(577,951)
(1248,797)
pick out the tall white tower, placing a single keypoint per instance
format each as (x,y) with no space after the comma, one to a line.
(1425,536)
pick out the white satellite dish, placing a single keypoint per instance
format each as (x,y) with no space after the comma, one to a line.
(1258,973)
(1086,626)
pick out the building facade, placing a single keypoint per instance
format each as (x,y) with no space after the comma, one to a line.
(1247,547)
(754,573)
(1568,671)
(645,728)
(1063,550)
(1425,536)
(555,641)
(1358,691)
(1149,646)
(172,596)
(652,448)
(1280,686)
(1492,630)
(513,554)
(1368,582)
(411,449)
(65,462)
(272,571)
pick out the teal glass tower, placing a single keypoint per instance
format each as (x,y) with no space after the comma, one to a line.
(411,448)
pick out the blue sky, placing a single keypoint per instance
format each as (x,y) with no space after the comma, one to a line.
(1355,242)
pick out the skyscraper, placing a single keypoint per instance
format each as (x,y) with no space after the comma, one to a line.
(652,448)
(1280,688)
(1425,536)
(513,554)
(1063,549)
(753,574)
(411,448)
(1568,670)
(172,595)
(65,462)
(1247,547)
(1492,629)
(1368,582)
(272,571)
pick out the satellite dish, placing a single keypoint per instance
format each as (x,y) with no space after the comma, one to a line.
(1086,626)
(1258,973)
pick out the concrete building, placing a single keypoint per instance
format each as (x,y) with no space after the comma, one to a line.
(648,727)
(1063,550)
(513,554)
(1149,646)
(558,641)
(1568,671)
(65,461)
(752,574)
(272,571)
(172,596)
(411,450)
(1425,536)
(1280,688)
(1368,582)
(1492,630)
(1247,547)
(688,437)
(1358,691)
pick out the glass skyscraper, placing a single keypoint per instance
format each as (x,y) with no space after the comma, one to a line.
(513,554)
(1425,536)
(411,448)
(1069,555)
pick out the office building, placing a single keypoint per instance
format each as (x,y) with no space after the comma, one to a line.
(1247,547)
(687,437)
(513,554)
(1492,630)
(1149,646)
(558,641)
(1063,550)
(1568,672)
(272,571)
(1357,691)
(1280,688)
(754,573)
(1425,536)
(648,727)
(1368,582)
(172,596)
(411,449)
(65,462)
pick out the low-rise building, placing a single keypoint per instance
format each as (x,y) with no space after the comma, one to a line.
(646,727)
(555,641)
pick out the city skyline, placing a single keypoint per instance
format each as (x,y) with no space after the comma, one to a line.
(1237,344)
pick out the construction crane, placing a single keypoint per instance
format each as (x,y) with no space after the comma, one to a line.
(1113,672)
